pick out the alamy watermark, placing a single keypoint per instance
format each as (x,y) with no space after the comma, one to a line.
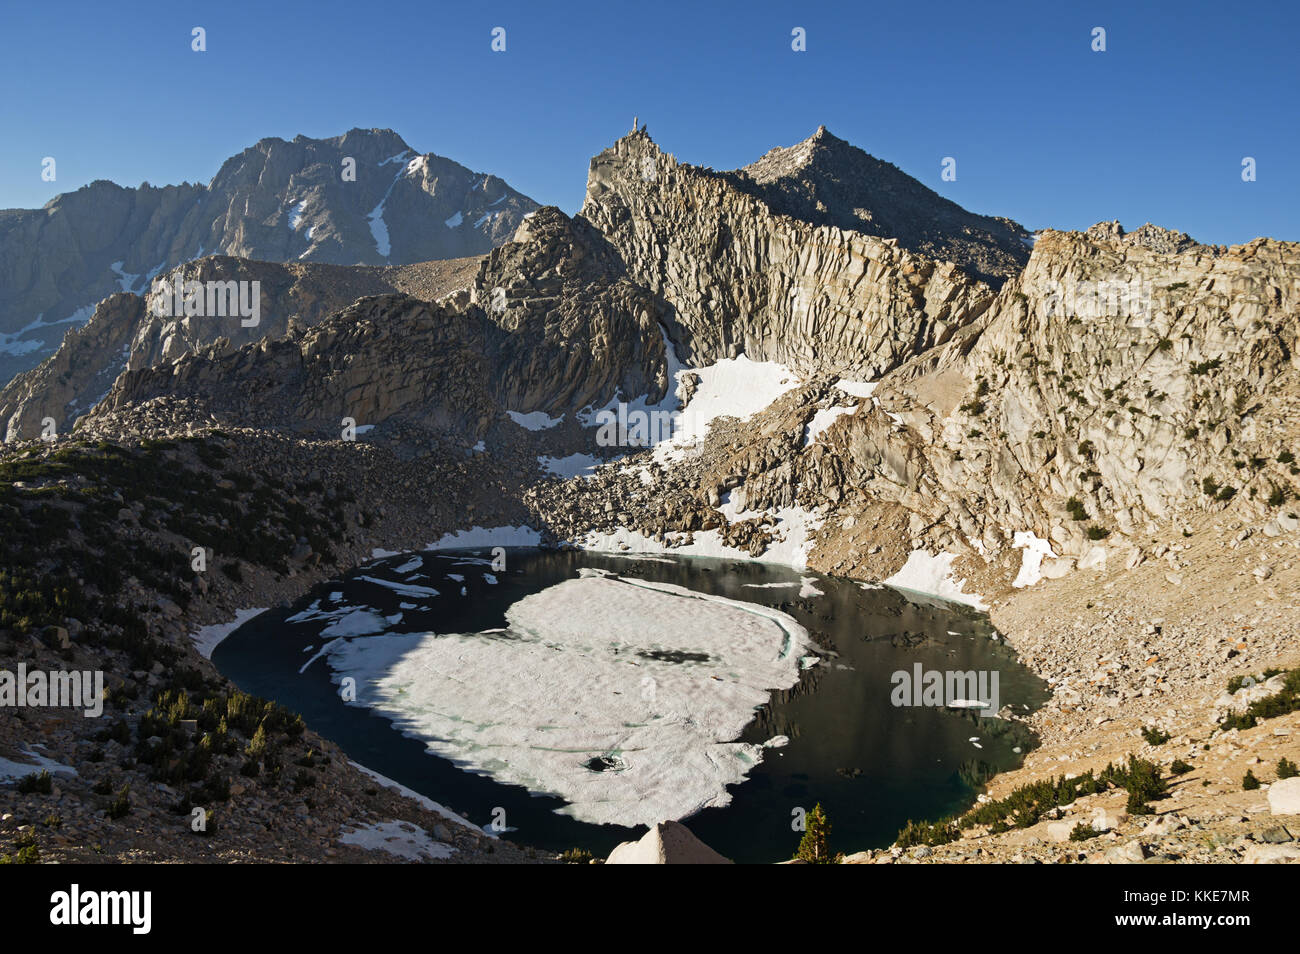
(1107,298)
(210,299)
(60,689)
(947,688)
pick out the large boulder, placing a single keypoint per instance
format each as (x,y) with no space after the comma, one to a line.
(667,843)
(1284,797)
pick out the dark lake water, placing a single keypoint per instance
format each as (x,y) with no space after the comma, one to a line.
(872,765)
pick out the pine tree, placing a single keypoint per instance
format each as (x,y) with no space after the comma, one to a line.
(814,847)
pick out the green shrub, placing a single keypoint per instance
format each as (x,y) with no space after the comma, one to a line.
(1287,700)
(27,855)
(120,807)
(1155,736)
(1286,768)
(38,783)
(1082,832)
(1248,782)
(1142,781)
(1180,767)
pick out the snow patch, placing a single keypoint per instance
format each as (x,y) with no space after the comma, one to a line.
(1031,561)
(931,574)
(535,420)
(209,637)
(861,389)
(12,771)
(572,466)
(822,420)
(400,838)
(792,540)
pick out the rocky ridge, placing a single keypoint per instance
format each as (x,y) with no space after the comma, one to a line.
(280,201)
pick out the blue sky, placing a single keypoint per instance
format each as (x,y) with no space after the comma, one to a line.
(1044,130)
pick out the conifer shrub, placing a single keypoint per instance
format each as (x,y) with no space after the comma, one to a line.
(814,847)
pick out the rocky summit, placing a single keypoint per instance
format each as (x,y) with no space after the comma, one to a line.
(1091,435)
(362,198)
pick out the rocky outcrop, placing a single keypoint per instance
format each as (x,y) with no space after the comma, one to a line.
(827,181)
(127,333)
(70,381)
(549,323)
(744,277)
(280,201)
(1120,378)
(667,843)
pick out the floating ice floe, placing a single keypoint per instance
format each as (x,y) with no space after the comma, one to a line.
(357,622)
(808,587)
(402,589)
(622,696)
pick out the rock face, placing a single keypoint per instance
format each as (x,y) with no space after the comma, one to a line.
(1134,374)
(826,181)
(276,201)
(744,277)
(548,324)
(667,843)
(126,333)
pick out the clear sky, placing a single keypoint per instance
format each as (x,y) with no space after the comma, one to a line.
(1044,129)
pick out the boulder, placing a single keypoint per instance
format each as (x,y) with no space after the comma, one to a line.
(1271,855)
(1284,797)
(667,843)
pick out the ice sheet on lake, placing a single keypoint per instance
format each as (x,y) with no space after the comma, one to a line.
(574,680)
(358,622)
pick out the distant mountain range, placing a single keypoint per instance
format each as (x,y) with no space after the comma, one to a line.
(363,198)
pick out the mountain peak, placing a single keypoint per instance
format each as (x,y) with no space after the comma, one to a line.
(826,180)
